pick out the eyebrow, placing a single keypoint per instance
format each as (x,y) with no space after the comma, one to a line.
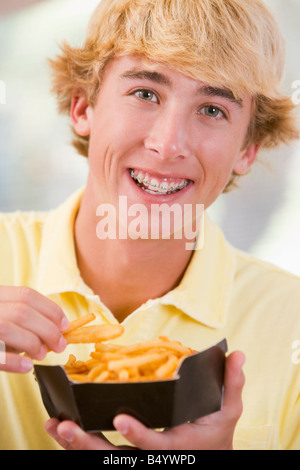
(156,77)
(206,90)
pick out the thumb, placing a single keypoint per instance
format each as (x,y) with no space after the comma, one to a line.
(234,382)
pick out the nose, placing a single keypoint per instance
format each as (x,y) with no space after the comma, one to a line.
(168,136)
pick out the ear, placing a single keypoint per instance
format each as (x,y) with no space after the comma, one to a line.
(80,114)
(246,159)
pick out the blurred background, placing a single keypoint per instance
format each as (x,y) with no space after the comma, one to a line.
(39,168)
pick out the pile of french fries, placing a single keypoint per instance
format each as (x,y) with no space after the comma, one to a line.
(150,360)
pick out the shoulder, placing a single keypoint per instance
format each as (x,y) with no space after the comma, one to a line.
(20,240)
(19,223)
(248,266)
(22,218)
(275,290)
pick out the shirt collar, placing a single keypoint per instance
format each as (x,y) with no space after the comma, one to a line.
(204,292)
(206,288)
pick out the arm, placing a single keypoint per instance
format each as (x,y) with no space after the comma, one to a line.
(213,432)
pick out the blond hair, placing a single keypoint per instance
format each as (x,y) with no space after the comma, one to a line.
(231,43)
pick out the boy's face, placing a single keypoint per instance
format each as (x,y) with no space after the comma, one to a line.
(158,136)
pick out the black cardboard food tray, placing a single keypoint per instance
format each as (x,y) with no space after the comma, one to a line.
(195,392)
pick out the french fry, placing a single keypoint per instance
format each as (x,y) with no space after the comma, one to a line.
(79,333)
(74,325)
(71,361)
(78,377)
(93,334)
(159,343)
(123,375)
(79,322)
(137,361)
(149,360)
(167,369)
(102,377)
(96,371)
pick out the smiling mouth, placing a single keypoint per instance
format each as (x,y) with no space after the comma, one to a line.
(158,186)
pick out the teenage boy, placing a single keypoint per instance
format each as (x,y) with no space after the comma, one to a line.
(170,102)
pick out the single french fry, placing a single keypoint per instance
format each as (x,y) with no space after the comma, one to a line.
(102,377)
(75,367)
(91,363)
(134,374)
(107,356)
(77,370)
(96,371)
(138,348)
(78,377)
(123,375)
(135,361)
(79,322)
(159,343)
(71,361)
(168,368)
(93,334)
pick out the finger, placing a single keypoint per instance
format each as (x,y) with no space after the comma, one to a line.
(51,428)
(29,319)
(71,437)
(15,363)
(37,301)
(203,430)
(234,381)
(139,435)
(20,340)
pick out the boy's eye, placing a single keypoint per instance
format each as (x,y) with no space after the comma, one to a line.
(212,111)
(146,95)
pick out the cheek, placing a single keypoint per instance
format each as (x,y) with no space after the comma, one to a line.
(217,156)
(114,132)
(214,155)
(112,141)
(218,152)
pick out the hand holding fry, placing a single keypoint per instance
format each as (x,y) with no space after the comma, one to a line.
(30,325)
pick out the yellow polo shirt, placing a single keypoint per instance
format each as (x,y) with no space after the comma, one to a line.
(224,294)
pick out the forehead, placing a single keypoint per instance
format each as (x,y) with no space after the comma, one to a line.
(126,65)
(126,68)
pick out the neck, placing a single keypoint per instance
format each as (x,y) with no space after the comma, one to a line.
(125,273)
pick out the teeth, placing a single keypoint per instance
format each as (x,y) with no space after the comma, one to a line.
(153,186)
(140,178)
